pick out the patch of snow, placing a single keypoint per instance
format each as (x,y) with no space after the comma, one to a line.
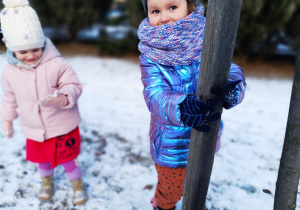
(117,168)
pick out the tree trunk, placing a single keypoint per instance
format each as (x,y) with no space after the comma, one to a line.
(219,39)
(289,170)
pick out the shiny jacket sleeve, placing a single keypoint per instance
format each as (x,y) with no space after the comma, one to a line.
(160,98)
(236,73)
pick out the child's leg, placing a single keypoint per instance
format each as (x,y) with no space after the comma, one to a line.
(72,169)
(169,188)
(45,169)
(46,173)
(74,173)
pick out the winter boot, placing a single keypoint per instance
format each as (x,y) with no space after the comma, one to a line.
(46,190)
(80,195)
(156,207)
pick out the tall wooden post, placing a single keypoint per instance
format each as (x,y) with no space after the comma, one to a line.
(289,170)
(219,39)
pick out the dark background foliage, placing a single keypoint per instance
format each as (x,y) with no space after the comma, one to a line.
(267,22)
(75,14)
(263,23)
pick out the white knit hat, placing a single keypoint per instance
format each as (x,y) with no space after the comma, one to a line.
(21,26)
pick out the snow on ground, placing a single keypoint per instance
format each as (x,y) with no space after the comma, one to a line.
(118,170)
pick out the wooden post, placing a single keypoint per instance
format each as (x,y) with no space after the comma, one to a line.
(219,39)
(289,170)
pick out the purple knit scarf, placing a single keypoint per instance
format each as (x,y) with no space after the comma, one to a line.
(177,43)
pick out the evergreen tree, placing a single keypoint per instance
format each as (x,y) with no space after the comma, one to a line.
(262,18)
(76,14)
(135,12)
(292,29)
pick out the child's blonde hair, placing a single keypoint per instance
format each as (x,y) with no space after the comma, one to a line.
(191,6)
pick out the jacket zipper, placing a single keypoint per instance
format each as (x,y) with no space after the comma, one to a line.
(39,109)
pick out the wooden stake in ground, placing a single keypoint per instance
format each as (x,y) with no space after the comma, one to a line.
(219,38)
(289,170)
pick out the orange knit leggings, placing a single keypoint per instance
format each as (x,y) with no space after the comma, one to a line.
(169,188)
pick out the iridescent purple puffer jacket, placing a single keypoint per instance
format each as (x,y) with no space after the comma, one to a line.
(165,87)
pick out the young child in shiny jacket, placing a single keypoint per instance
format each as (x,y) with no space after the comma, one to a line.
(42,89)
(171,39)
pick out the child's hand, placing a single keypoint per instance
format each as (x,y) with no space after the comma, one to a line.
(56,99)
(197,114)
(228,93)
(8,129)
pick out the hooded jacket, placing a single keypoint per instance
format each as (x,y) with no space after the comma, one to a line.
(24,86)
(165,87)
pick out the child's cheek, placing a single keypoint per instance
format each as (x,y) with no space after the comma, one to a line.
(153,21)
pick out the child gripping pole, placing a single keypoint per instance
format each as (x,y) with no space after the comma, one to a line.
(171,41)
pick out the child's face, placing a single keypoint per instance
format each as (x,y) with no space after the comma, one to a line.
(162,12)
(30,56)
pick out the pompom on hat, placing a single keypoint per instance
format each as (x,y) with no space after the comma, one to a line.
(20,26)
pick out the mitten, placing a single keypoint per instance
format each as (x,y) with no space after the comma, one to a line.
(228,93)
(197,114)
(56,99)
(8,129)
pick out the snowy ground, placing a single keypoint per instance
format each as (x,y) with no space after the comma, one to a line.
(118,170)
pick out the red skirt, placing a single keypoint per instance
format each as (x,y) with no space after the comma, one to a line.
(56,150)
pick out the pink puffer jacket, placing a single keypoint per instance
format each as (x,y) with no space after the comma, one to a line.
(23,87)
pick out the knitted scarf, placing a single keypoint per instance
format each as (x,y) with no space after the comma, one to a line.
(177,43)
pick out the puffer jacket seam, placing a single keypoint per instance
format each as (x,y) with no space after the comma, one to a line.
(172,161)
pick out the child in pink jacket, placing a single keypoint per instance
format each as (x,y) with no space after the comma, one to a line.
(42,89)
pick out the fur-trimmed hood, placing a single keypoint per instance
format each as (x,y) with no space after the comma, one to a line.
(49,52)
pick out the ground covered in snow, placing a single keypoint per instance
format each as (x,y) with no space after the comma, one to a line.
(117,168)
